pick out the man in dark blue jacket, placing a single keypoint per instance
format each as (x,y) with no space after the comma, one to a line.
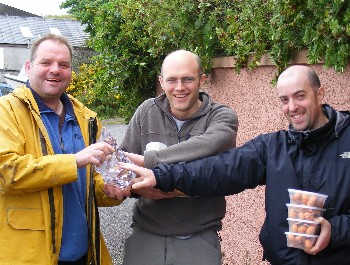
(312,155)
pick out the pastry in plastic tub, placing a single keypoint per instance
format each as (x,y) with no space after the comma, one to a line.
(303,226)
(304,212)
(302,241)
(307,198)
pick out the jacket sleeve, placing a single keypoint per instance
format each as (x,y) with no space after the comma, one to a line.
(22,166)
(132,137)
(219,136)
(340,236)
(227,173)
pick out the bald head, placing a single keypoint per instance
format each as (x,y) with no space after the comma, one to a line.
(181,79)
(179,55)
(301,96)
(302,70)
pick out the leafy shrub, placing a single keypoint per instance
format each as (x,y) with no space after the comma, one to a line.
(84,86)
(132,37)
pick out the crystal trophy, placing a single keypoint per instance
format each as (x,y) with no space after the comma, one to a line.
(109,169)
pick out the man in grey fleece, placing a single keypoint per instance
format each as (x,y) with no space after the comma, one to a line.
(169,228)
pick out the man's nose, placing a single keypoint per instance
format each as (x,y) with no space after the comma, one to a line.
(179,83)
(54,68)
(292,105)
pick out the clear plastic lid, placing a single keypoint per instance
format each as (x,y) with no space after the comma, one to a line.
(301,206)
(308,192)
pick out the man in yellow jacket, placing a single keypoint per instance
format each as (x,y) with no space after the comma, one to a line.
(49,191)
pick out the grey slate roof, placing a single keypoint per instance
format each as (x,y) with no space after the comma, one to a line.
(12,11)
(10,32)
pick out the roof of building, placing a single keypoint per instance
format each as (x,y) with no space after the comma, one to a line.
(6,10)
(16,30)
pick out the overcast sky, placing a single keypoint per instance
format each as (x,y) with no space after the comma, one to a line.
(38,7)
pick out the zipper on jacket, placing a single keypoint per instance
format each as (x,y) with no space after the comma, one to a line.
(51,198)
(94,231)
(52,217)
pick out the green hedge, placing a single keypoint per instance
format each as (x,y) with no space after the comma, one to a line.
(132,38)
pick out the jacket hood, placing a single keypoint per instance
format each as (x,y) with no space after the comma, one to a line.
(342,121)
(24,94)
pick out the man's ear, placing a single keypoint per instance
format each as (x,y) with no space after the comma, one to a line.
(27,66)
(160,78)
(321,93)
(202,80)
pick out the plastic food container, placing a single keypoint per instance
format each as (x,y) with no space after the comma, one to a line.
(303,226)
(304,212)
(302,241)
(307,198)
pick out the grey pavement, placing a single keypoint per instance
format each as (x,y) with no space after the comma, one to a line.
(116,221)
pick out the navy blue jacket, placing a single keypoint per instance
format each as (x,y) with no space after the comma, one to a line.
(317,161)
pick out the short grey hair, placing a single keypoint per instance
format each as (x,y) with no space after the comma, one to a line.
(53,37)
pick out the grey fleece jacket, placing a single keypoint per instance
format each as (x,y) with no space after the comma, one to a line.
(211,130)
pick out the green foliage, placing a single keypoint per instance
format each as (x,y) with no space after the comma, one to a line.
(67,17)
(84,11)
(319,26)
(96,95)
(132,37)
(245,30)
(328,34)
(282,27)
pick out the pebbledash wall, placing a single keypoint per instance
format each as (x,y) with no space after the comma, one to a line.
(253,97)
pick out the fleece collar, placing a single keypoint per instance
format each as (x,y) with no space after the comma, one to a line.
(308,140)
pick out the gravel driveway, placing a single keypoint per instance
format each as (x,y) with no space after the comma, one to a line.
(115,221)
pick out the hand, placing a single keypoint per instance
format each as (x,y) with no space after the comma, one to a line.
(147,176)
(152,193)
(94,154)
(138,160)
(323,239)
(177,193)
(115,192)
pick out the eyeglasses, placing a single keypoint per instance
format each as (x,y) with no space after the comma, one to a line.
(184,80)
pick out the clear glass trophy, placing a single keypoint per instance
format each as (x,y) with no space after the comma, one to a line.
(109,169)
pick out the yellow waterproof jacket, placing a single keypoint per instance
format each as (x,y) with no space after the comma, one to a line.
(31,176)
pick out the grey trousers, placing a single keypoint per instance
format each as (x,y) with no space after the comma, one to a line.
(143,248)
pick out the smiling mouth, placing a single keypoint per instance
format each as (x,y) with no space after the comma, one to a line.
(180,96)
(297,117)
(53,80)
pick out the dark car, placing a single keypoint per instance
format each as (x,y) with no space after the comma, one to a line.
(5,89)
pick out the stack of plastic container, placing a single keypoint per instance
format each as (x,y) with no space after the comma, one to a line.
(303,208)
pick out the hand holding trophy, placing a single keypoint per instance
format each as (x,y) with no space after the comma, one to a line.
(110,170)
